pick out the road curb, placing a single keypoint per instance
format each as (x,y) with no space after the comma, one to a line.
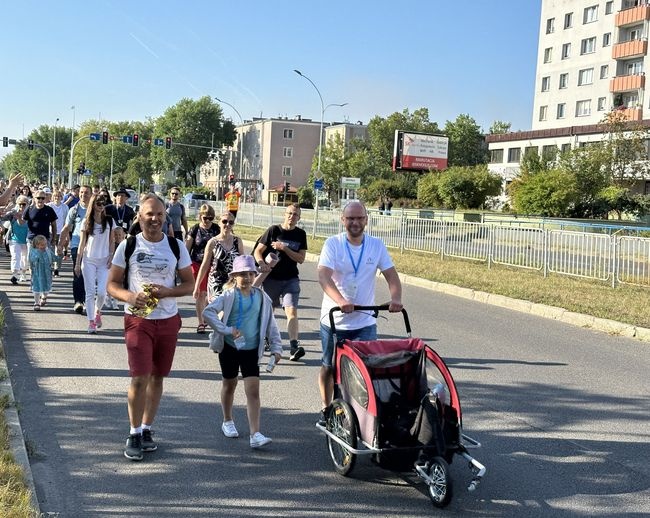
(16,437)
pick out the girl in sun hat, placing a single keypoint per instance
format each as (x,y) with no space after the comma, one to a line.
(246,320)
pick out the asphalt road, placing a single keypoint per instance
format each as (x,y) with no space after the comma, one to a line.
(562,413)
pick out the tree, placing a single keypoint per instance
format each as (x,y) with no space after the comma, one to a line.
(549,194)
(500,127)
(466,142)
(428,193)
(334,166)
(190,123)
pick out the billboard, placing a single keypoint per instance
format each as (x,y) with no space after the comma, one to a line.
(419,151)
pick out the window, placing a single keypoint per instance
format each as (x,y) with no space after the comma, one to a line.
(531,150)
(568,20)
(583,108)
(647,188)
(548,54)
(564,80)
(588,46)
(288,133)
(604,71)
(561,109)
(634,34)
(549,152)
(601,103)
(609,6)
(514,154)
(550,26)
(566,50)
(634,68)
(286,170)
(607,39)
(496,156)
(565,148)
(287,152)
(590,14)
(586,76)
(546,83)
(543,110)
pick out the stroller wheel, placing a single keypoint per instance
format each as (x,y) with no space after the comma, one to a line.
(440,488)
(341,421)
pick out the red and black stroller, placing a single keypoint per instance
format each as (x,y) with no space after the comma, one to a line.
(397,401)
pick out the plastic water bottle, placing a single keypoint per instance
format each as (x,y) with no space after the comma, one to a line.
(271,365)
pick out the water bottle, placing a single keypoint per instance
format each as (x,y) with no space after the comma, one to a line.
(271,365)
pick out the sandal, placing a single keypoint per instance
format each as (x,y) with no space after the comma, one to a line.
(43,301)
(200,329)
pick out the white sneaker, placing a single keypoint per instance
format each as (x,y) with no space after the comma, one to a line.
(258,440)
(22,277)
(228,429)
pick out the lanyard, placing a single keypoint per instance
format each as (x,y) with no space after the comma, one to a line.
(355,266)
(240,315)
(120,218)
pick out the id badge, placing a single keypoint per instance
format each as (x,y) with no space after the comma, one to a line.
(125,225)
(350,291)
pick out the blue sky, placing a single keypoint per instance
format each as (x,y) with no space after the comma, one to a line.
(131,60)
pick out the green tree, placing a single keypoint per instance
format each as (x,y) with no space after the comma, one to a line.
(466,142)
(334,166)
(190,123)
(550,194)
(428,193)
(500,127)
(468,187)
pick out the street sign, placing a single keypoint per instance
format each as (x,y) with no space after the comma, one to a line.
(159,142)
(350,183)
(87,172)
(127,139)
(95,136)
(318,184)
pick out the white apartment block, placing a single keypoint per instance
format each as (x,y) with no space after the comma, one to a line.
(275,150)
(592,57)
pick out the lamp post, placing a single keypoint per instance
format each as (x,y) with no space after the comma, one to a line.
(74,112)
(320,139)
(51,182)
(241,139)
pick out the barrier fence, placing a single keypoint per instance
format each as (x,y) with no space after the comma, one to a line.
(614,257)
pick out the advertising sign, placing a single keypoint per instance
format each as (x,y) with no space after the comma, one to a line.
(420,151)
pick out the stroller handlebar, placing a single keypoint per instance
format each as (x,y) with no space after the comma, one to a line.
(375,310)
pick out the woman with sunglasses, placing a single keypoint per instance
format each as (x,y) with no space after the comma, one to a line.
(61,210)
(219,254)
(94,258)
(197,238)
(17,239)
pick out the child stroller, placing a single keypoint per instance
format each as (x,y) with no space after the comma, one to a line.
(396,400)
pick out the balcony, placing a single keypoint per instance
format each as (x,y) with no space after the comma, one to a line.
(632,114)
(630,49)
(627,83)
(632,15)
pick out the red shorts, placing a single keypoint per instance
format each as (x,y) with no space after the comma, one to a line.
(203,287)
(151,344)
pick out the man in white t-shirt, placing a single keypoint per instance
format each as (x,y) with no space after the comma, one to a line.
(151,320)
(347,268)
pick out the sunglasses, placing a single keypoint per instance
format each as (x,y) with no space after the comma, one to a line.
(227,222)
(100,204)
(207,218)
(22,204)
(40,197)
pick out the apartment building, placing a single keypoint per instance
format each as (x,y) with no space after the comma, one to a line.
(592,57)
(275,150)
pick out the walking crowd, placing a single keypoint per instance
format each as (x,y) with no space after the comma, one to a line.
(147,260)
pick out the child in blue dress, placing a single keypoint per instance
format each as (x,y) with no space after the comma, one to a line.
(41,259)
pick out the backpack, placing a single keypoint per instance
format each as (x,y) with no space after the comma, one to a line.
(130,248)
(74,213)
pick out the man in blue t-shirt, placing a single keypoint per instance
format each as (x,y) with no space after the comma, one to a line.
(73,226)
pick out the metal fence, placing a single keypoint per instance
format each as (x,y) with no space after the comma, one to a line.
(613,257)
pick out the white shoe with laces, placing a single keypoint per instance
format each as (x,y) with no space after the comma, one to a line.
(229,430)
(258,440)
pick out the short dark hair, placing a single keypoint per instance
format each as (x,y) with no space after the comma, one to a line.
(76,186)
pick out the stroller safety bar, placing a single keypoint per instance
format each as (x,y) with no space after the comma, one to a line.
(477,468)
(469,442)
(369,450)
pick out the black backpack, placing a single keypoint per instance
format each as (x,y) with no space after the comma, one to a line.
(130,247)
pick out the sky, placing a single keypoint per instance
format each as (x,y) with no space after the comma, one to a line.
(128,60)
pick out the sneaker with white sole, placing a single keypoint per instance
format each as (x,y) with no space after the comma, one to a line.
(148,444)
(229,430)
(258,440)
(296,354)
(98,320)
(133,448)
(92,327)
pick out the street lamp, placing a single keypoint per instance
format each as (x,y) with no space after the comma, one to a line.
(51,182)
(322,117)
(241,138)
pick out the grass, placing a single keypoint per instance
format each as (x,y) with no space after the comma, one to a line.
(627,304)
(15,496)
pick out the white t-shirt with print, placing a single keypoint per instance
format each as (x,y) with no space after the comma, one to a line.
(153,263)
(338,254)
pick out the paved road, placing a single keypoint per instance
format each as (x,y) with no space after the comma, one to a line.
(562,413)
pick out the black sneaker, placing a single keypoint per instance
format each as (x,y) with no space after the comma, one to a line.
(56,272)
(296,354)
(322,418)
(133,448)
(14,280)
(78,308)
(148,444)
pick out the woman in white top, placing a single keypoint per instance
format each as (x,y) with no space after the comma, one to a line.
(94,258)
(61,210)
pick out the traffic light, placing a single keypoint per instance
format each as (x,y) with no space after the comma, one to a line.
(5,141)
(136,139)
(30,144)
(105,137)
(286,187)
(82,168)
(168,143)
(231,178)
